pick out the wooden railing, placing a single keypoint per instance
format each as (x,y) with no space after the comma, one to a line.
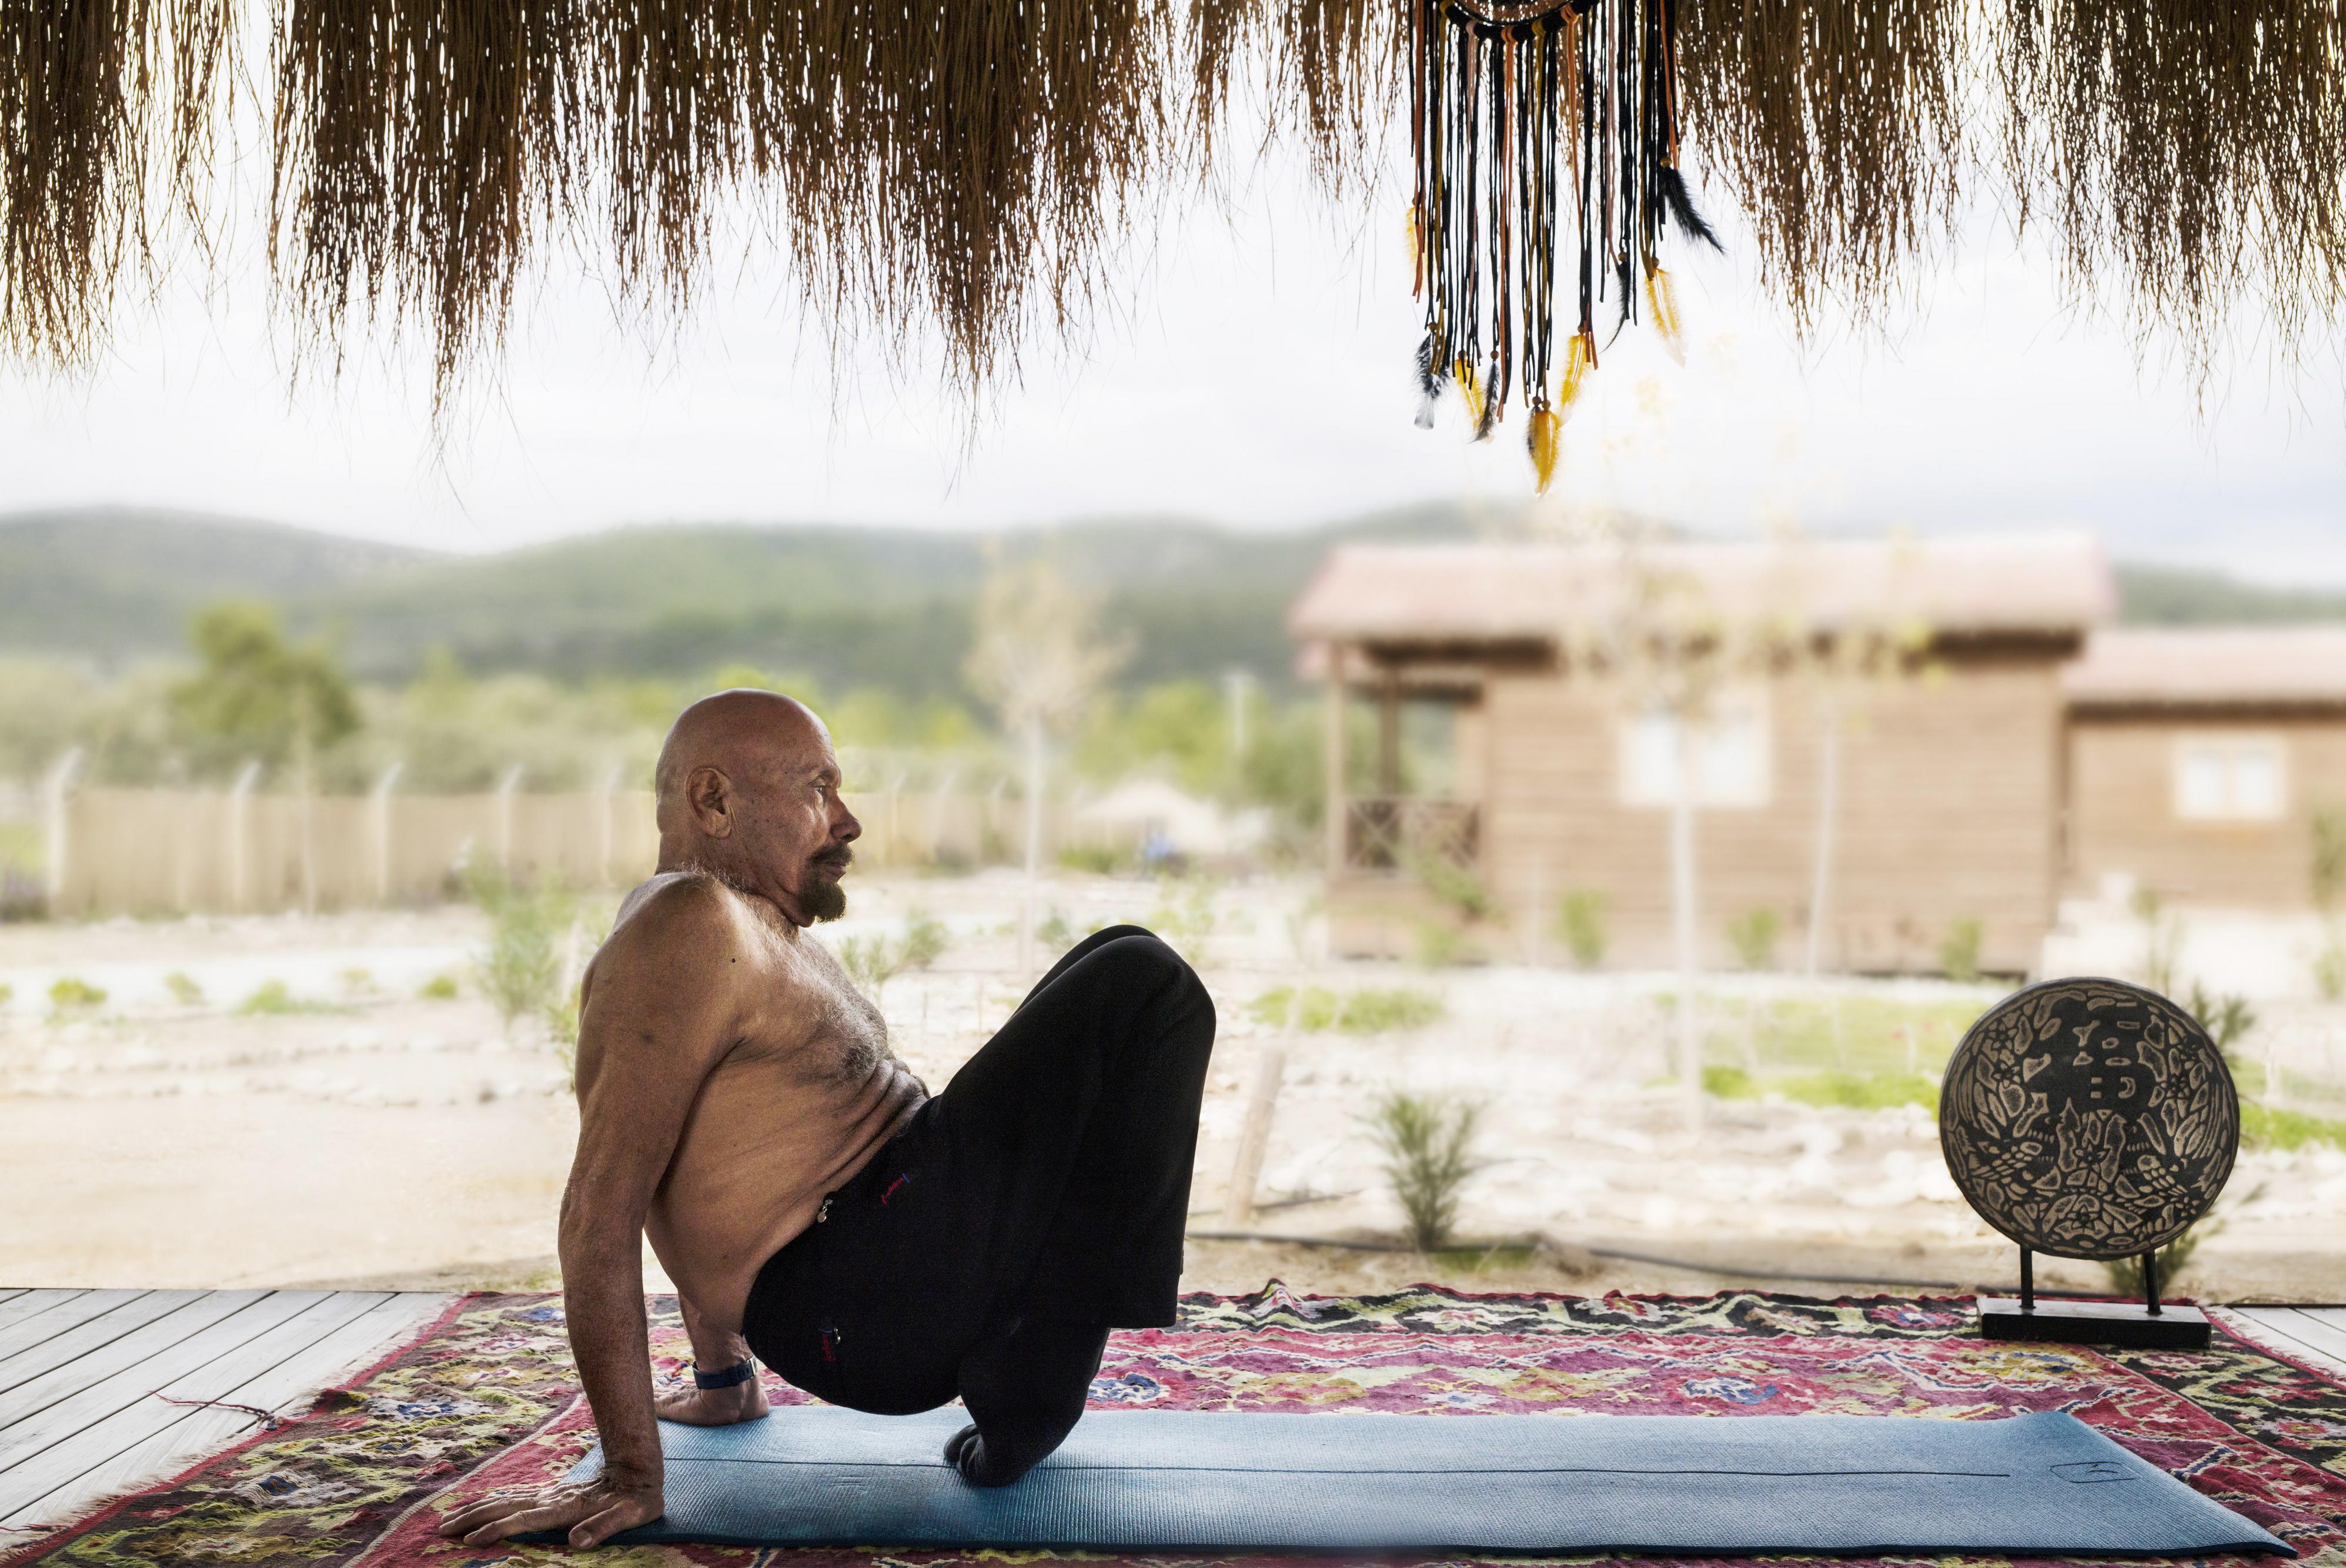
(1399,832)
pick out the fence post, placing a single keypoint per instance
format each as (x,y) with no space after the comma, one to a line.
(57,801)
(379,815)
(505,787)
(239,837)
(608,788)
(1254,1141)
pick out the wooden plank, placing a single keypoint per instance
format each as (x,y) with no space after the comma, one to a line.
(59,1316)
(2324,1328)
(325,1343)
(28,1302)
(234,1320)
(140,1353)
(2285,1331)
(86,1344)
(7,1295)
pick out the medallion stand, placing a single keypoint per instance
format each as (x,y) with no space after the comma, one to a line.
(2144,1325)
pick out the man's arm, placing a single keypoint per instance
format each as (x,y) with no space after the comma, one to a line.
(659,1015)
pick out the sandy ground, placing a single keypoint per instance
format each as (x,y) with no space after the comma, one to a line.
(375,1136)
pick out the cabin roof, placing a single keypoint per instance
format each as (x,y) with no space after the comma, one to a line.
(2186,666)
(1490,593)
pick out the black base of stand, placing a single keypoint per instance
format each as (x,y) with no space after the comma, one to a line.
(2145,1325)
(2126,1323)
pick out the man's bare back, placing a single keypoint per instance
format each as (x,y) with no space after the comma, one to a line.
(797,1103)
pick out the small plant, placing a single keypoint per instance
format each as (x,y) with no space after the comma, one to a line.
(1959,949)
(184,989)
(2328,869)
(870,961)
(439,988)
(1454,885)
(69,992)
(925,940)
(2162,942)
(2227,1019)
(1580,922)
(1753,935)
(2329,970)
(2125,1273)
(7,994)
(1054,930)
(357,981)
(1097,859)
(1440,944)
(1376,1010)
(520,971)
(1185,919)
(270,996)
(1428,1143)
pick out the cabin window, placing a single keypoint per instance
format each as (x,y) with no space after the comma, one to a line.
(1731,754)
(2228,779)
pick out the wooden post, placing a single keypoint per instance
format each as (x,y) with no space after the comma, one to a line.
(239,836)
(505,787)
(1255,1140)
(1389,734)
(1828,809)
(1682,896)
(1336,809)
(57,806)
(379,815)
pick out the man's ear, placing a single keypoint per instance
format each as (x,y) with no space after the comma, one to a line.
(708,796)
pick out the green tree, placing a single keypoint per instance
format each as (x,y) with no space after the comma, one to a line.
(256,695)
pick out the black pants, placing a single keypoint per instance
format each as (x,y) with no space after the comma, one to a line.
(1049,1180)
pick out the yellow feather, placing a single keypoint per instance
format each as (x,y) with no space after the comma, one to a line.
(1579,358)
(1471,389)
(1662,305)
(1542,440)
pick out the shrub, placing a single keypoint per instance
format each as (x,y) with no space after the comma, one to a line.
(184,989)
(1729,1084)
(1428,1142)
(1056,932)
(2329,970)
(1454,885)
(1376,1010)
(872,961)
(69,991)
(357,981)
(1753,935)
(7,994)
(2329,864)
(2263,1127)
(1580,922)
(2162,942)
(1440,944)
(2226,1018)
(925,940)
(439,988)
(1959,949)
(270,996)
(521,969)
(1095,858)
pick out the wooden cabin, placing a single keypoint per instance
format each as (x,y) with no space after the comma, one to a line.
(1868,734)
(2199,759)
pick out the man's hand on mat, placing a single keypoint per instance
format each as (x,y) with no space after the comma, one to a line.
(695,1406)
(590,1511)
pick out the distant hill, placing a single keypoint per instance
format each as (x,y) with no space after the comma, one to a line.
(850,606)
(117,584)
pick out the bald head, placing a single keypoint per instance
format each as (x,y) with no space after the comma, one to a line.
(747,790)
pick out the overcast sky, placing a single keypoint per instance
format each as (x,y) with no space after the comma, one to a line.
(1258,375)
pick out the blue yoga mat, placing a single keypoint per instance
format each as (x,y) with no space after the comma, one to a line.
(1730,1486)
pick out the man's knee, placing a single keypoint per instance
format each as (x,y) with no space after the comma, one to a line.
(1145,956)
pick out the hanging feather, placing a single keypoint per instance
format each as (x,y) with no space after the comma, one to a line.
(1579,358)
(1429,379)
(1680,208)
(1662,308)
(1472,391)
(1487,417)
(1541,441)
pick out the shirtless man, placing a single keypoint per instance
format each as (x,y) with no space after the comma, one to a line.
(817,1208)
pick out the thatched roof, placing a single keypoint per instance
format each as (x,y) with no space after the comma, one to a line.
(962,163)
(1435,594)
(2204,667)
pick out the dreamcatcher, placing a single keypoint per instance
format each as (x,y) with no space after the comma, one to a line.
(1528,122)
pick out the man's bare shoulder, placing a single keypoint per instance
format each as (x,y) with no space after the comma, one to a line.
(686,921)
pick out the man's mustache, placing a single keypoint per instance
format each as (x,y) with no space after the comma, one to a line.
(841,856)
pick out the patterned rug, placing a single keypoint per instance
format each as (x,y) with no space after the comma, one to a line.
(487,1398)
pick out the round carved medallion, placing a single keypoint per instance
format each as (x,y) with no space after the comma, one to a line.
(2088,1118)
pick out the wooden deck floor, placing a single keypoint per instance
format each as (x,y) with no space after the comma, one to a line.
(81,1370)
(87,1377)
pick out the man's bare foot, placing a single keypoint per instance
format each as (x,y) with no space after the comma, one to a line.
(695,1407)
